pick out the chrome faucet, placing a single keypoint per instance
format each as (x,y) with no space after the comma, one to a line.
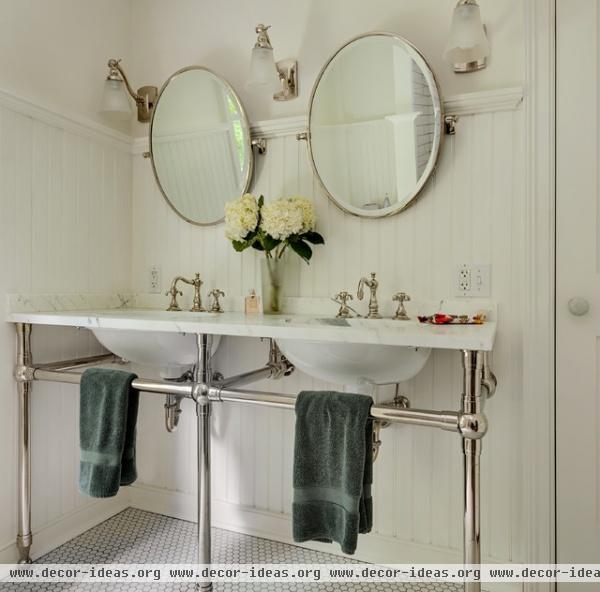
(174,292)
(372,284)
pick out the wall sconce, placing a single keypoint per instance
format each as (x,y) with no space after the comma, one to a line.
(114,102)
(468,47)
(268,76)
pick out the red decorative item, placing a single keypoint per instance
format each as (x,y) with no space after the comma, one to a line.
(442,319)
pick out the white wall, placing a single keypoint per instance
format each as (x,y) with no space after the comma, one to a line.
(65,219)
(170,35)
(56,52)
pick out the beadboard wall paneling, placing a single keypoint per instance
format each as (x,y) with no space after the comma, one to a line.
(472,211)
(65,219)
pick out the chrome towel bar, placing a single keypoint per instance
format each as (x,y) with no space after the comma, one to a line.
(445,420)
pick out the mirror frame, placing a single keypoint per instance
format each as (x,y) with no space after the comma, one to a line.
(250,151)
(433,160)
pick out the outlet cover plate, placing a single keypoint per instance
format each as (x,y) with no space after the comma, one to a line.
(154,283)
(473,280)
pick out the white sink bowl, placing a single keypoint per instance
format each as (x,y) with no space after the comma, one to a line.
(173,353)
(354,363)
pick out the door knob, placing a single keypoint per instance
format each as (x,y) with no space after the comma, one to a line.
(579,306)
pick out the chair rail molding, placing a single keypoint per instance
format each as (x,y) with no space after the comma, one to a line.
(75,124)
(489,101)
(538,342)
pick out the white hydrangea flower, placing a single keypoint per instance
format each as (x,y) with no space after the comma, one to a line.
(241,217)
(309,218)
(281,219)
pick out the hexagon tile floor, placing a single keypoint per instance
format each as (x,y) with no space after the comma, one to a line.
(136,536)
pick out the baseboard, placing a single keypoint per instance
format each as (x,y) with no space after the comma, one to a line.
(67,527)
(372,548)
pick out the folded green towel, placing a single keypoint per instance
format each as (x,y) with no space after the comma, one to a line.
(333,468)
(108,409)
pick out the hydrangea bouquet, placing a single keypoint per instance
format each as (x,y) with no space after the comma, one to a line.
(272,228)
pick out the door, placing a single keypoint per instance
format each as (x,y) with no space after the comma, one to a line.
(578,282)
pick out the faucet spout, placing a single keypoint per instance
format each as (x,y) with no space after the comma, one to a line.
(174,292)
(372,284)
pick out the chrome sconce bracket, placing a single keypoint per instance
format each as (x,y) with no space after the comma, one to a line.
(450,124)
(260,144)
(145,101)
(288,74)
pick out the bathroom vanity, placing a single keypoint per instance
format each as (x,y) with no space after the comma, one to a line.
(386,348)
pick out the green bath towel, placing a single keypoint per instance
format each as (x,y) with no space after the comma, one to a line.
(107,415)
(333,468)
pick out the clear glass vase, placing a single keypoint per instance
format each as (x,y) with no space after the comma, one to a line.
(272,275)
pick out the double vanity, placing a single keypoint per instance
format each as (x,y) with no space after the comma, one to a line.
(346,351)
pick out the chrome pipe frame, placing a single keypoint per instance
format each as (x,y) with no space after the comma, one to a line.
(470,422)
(202,378)
(23,378)
(473,362)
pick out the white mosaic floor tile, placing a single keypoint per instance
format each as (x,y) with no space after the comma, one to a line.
(136,536)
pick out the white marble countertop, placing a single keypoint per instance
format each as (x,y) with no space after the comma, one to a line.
(309,327)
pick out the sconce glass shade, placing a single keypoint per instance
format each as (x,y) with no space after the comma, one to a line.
(468,46)
(115,102)
(263,75)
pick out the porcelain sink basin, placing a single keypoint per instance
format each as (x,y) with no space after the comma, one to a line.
(173,353)
(354,363)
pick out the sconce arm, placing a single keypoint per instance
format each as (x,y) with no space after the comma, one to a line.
(116,65)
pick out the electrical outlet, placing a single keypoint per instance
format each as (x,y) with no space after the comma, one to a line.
(473,280)
(463,279)
(154,280)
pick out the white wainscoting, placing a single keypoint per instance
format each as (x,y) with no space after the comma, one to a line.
(65,220)
(472,211)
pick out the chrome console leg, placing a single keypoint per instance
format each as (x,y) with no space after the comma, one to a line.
(24,378)
(203,407)
(472,404)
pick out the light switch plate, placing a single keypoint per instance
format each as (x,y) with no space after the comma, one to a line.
(473,280)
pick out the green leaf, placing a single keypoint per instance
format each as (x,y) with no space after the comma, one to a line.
(261,201)
(269,243)
(301,248)
(240,246)
(313,237)
(257,245)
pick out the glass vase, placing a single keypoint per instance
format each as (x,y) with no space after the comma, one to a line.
(272,274)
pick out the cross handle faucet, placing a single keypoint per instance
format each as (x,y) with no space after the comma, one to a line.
(401,298)
(345,311)
(215,295)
